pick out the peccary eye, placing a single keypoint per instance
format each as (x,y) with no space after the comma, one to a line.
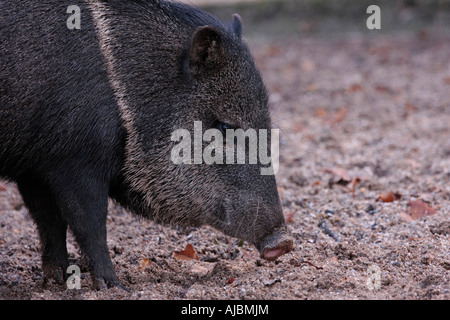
(222,126)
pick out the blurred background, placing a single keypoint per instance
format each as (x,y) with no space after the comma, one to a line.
(330,17)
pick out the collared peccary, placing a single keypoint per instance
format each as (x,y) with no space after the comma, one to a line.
(87,115)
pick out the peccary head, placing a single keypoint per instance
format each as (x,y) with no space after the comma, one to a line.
(181,67)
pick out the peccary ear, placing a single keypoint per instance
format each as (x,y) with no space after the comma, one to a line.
(237,25)
(206,52)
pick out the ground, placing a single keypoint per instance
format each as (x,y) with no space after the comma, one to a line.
(359,117)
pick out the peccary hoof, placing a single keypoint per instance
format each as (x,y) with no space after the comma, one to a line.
(276,245)
(102,284)
(53,274)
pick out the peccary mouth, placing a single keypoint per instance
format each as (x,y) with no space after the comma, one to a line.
(275,245)
(268,235)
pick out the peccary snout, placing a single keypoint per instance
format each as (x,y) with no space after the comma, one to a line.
(274,241)
(255,215)
(275,245)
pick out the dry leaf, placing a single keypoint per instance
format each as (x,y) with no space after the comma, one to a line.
(409,107)
(2,187)
(297,127)
(230,281)
(353,184)
(343,177)
(383,89)
(311,264)
(419,209)
(145,263)
(337,117)
(386,197)
(321,112)
(272,51)
(389,197)
(405,216)
(354,88)
(187,254)
(339,174)
(288,217)
(447,80)
(312,87)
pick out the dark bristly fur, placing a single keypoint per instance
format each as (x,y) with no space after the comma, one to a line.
(88,114)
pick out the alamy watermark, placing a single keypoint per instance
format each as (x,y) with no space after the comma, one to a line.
(374,21)
(231,149)
(74,280)
(74,20)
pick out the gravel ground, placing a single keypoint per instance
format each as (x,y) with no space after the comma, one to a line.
(360,117)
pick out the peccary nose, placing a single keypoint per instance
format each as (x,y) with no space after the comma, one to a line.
(276,245)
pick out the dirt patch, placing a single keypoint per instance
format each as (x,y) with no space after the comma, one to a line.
(359,117)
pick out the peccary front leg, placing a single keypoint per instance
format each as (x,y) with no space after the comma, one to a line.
(84,206)
(51,226)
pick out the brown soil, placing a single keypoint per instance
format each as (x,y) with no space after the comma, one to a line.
(359,117)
